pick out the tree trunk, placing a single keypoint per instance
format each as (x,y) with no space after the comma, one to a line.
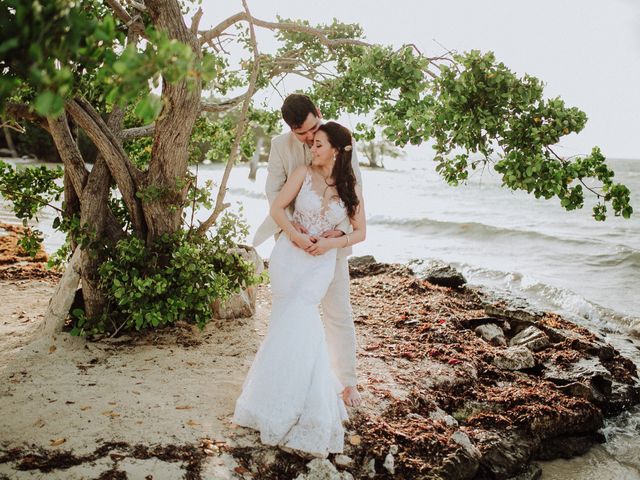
(169,154)
(9,140)
(95,214)
(253,166)
(71,203)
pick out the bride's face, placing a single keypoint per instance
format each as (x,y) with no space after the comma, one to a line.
(323,152)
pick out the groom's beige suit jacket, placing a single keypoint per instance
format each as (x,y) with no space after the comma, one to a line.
(288,153)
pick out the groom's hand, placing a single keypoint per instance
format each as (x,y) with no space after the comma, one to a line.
(300,228)
(332,234)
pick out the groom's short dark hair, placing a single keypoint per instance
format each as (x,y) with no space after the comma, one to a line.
(296,108)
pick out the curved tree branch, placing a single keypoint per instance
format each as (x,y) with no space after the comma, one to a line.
(138,132)
(222,106)
(115,157)
(69,152)
(132,23)
(222,190)
(22,111)
(208,35)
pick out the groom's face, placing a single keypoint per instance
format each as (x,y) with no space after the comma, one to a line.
(307,130)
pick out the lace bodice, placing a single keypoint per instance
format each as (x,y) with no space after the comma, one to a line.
(311,214)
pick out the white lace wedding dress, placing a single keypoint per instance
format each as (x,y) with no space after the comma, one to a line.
(291,394)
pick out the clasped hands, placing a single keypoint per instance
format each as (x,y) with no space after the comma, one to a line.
(313,244)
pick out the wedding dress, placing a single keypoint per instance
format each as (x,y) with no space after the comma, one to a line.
(291,394)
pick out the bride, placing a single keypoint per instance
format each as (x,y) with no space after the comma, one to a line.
(291,394)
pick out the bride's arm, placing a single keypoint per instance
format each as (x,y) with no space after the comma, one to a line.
(359,224)
(287,195)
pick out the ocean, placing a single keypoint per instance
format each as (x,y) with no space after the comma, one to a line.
(561,261)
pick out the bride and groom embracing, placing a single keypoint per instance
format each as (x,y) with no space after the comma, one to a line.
(304,372)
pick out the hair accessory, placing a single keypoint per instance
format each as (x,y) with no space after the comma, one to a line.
(347,148)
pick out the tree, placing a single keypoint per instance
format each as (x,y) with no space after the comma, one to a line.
(96,66)
(375,151)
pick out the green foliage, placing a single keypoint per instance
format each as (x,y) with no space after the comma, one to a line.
(176,278)
(62,47)
(29,189)
(31,241)
(481,107)
(213,135)
(47,44)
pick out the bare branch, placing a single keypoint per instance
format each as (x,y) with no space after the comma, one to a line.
(288,26)
(221,27)
(133,23)
(120,12)
(195,21)
(69,152)
(137,5)
(220,205)
(224,105)
(137,132)
(22,111)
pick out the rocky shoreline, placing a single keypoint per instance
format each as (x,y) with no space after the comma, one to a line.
(458,383)
(481,386)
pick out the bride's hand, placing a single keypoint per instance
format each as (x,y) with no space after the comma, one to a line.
(302,240)
(319,247)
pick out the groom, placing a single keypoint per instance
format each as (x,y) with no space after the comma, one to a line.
(288,151)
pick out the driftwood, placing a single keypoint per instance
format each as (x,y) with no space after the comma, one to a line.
(60,303)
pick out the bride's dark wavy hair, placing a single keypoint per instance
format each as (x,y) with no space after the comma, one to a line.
(343,175)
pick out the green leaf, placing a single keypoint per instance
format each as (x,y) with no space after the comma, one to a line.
(148,108)
(49,103)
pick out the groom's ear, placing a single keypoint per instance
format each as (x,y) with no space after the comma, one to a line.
(318,113)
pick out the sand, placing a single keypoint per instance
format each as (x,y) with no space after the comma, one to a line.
(66,394)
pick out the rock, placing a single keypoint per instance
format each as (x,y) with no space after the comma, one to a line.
(243,304)
(343,461)
(362,261)
(587,378)
(389,464)
(459,465)
(514,358)
(518,311)
(323,469)
(366,266)
(504,453)
(492,333)
(463,440)
(531,337)
(567,446)
(439,273)
(393,449)
(440,415)
(533,472)
(370,468)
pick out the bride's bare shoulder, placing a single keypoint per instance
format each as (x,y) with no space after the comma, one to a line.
(300,172)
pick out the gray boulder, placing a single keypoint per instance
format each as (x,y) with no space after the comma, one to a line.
(439,273)
(492,333)
(514,358)
(531,337)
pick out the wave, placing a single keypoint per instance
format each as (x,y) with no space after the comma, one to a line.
(467,228)
(549,297)
(623,257)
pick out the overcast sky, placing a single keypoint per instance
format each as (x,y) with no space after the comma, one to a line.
(586,51)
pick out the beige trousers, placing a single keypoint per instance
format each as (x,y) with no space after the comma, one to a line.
(338,323)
